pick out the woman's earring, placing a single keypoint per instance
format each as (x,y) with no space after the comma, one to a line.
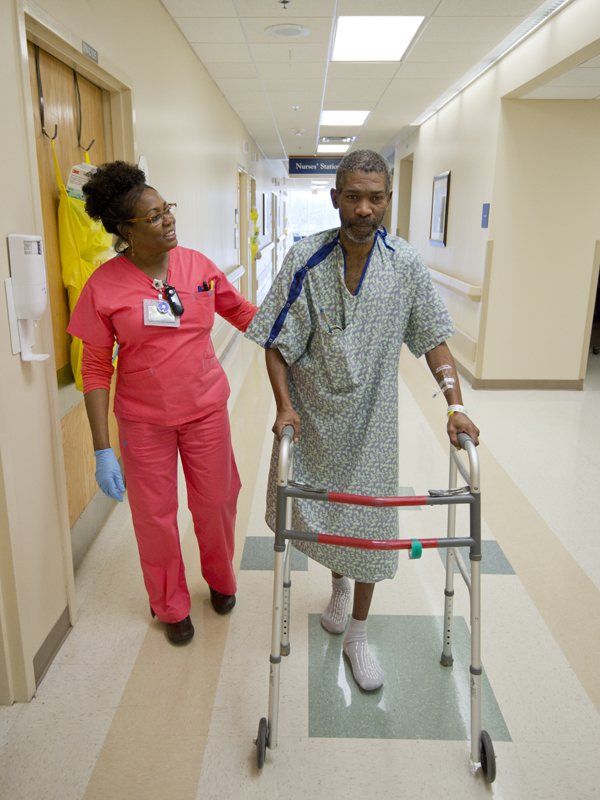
(132,254)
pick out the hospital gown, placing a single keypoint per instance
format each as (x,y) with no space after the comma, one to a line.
(342,352)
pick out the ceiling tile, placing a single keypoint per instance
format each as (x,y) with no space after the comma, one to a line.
(233,53)
(281,81)
(247,99)
(423,70)
(467,53)
(487,8)
(294,98)
(295,71)
(239,85)
(319,27)
(393,8)
(222,69)
(349,100)
(265,8)
(200,8)
(288,119)
(348,71)
(294,53)
(211,30)
(468,29)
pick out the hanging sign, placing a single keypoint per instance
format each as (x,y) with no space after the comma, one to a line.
(314,165)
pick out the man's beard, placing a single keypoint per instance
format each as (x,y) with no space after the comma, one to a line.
(360,238)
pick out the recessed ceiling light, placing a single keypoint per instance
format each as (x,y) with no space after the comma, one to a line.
(374,38)
(287,31)
(343,117)
(332,148)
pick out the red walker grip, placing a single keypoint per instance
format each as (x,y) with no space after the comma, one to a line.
(375,544)
(362,500)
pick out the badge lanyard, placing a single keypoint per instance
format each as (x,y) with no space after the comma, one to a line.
(163,312)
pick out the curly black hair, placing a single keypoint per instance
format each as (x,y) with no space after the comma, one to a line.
(112,193)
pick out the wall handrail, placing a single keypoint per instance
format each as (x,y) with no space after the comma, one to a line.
(235,272)
(455,285)
(264,250)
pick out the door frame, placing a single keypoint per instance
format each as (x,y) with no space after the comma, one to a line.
(37,26)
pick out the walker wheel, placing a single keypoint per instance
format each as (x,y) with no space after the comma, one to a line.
(488,758)
(261,743)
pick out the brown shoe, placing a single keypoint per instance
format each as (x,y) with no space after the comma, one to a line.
(180,632)
(222,603)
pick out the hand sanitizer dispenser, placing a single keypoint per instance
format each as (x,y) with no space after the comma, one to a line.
(26,292)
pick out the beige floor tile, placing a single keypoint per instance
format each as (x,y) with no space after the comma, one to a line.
(148,766)
(229,770)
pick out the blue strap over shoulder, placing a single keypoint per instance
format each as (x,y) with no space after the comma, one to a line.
(296,287)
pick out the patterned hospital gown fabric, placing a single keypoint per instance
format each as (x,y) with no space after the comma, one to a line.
(342,352)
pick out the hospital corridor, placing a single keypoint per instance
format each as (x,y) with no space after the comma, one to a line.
(486,120)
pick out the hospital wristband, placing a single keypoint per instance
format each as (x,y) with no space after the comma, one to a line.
(452,409)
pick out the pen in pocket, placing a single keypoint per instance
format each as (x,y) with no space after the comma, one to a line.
(324,318)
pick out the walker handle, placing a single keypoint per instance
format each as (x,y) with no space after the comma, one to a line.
(287,431)
(286,441)
(468,445)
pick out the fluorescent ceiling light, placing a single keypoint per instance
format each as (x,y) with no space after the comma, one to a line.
(374,38)
(332,148)
(343,117)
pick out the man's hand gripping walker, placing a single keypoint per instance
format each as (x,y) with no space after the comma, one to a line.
(482,750)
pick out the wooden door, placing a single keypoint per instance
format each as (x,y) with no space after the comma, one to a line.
(61,109)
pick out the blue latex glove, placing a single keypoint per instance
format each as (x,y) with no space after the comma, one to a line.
(108,474)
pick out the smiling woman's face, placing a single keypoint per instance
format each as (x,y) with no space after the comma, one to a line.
(150,238)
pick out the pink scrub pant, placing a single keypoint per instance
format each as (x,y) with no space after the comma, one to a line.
(149,454)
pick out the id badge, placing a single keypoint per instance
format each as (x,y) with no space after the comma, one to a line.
(158,312)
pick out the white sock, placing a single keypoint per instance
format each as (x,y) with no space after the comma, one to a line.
(367,672)
(335,616)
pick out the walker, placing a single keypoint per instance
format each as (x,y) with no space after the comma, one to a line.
(482,749)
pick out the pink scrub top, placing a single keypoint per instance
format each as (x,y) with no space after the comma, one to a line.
(166,376)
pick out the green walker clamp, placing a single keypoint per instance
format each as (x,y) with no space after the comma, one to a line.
(416,550)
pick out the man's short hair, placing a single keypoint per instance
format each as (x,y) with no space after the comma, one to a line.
(363,161)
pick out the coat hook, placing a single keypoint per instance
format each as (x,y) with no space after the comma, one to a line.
(89,147)
(41,96)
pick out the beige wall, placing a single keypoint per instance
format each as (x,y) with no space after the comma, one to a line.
(503,152)
(546,223)
(192,141)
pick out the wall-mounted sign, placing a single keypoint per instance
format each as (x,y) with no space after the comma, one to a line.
(485,216)
(313,165)
(89,51)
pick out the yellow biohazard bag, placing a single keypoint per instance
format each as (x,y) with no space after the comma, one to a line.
(84,245)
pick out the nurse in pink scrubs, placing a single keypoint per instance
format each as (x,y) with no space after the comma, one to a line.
(157,301)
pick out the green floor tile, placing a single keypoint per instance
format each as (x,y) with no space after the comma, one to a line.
(259,554)
(420,699)
(494,562)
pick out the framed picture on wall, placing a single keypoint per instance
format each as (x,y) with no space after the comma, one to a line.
(439,209)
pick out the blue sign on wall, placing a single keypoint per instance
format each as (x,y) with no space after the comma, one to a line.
(485,216)
(309,166)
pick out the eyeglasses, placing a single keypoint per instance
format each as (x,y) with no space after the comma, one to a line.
(156,219)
